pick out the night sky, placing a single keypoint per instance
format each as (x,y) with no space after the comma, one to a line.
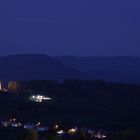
(70,27)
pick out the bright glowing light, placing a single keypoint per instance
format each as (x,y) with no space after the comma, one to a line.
(39,98)
(60,132)
(56,126)
(71,131)
(38,124)
(12,120)
(16,125)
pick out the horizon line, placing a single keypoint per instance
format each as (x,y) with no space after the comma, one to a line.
(67,55)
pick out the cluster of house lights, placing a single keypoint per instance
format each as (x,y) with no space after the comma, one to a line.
(60,132)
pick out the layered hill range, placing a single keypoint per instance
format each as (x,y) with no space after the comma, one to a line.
(44,67)
(113,69)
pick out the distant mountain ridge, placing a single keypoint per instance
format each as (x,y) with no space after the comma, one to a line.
(114,69)
(35,67)
(44,67)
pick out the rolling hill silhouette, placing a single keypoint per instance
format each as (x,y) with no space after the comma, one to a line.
(35,67)
(113,69)
(44,67)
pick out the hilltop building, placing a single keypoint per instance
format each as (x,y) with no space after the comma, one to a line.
(12,86)
(0,86)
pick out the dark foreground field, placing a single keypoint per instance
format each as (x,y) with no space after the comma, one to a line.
(114,107)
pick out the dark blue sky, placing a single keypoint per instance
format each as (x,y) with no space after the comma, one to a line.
(74,27)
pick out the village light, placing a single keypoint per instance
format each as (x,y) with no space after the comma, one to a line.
(60,132)
(56,126)
(72,130)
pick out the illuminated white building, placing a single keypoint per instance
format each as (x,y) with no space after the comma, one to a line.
(39,98)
